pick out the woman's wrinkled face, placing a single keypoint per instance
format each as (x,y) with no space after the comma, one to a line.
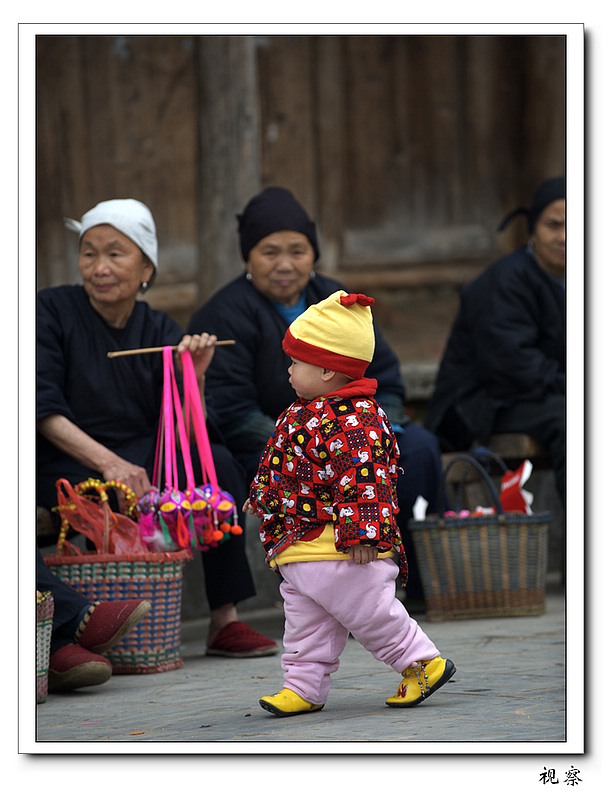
(280,266)
(549,238)
(112,267)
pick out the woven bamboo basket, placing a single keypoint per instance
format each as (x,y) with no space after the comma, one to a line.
(487,566)
(44,616)
(154,644)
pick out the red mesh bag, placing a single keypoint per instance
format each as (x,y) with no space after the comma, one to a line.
(92,516)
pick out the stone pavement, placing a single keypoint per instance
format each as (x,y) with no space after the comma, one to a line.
(509,688)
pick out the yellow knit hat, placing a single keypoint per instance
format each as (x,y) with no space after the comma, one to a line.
(337,333)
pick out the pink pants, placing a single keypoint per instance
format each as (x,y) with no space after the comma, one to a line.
(324,601)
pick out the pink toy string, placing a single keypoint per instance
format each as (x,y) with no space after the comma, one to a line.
(159,451)
(192,419)
(171,479)
(194,411)
(184,440)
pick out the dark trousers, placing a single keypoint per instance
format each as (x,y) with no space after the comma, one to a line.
(545,421)
(69,606)
(420,458)
(226,568)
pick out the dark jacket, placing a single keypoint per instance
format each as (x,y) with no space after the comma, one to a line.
(247,384)
(115,401)
(507,344)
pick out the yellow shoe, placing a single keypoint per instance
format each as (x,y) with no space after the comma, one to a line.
(421,680)
(287,703)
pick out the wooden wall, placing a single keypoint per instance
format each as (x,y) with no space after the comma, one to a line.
(407,150)
(412,147)
(117,117)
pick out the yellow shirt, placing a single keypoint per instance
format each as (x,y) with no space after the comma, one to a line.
(320,549)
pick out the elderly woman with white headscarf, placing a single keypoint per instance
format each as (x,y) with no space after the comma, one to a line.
(98,417)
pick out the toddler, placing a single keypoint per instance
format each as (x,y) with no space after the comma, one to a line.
(325,491)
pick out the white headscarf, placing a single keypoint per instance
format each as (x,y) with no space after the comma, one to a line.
(130,217)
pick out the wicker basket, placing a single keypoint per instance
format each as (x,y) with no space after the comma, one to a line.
(154,644)
(44,615)
(487,566)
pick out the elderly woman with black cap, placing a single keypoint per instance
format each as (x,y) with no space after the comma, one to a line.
(248,386)
(504,367)
(99,417)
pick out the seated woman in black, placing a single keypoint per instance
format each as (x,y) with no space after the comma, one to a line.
(504,367)
(248,386)
(98,417)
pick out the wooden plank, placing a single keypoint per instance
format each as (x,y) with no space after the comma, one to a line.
(117,118)
(152,136)
(515,445)
(174,296)
(402,114)
(495,73)
(368,92)
(544,89)
(440,140)
(230,154)
(287,81)
(62,163)
(398,276)
(445,90)
(420,131)
(331,145)
(443,243)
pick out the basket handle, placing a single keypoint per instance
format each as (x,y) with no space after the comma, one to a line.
(483,454)
(472,462)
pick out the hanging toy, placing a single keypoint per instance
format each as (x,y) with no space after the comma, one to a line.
(223,510)
(152,532)
(197,516)
(174,512)
(219,517)
(201,522)
(214,517)
(172,506)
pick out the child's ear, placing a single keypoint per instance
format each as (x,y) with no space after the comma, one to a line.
(328,374)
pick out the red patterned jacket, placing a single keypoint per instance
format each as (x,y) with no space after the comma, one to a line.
(330,460)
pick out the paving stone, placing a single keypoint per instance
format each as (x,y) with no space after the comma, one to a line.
(509,687)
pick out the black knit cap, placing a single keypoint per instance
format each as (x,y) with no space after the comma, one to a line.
(273,209)
(549,191)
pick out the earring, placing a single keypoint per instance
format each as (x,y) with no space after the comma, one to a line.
(144,286)
(248,276)
(312,275)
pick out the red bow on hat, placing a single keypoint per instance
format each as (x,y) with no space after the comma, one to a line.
(362,299)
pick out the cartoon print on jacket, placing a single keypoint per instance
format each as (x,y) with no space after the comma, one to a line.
(330,460)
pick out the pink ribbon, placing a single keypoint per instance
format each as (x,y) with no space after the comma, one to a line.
(194,411)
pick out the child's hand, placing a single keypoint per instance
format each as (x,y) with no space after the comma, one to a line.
(247,507)
(362,554)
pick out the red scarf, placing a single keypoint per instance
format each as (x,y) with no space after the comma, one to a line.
(365,387)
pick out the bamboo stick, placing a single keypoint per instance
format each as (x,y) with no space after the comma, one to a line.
(115,353)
